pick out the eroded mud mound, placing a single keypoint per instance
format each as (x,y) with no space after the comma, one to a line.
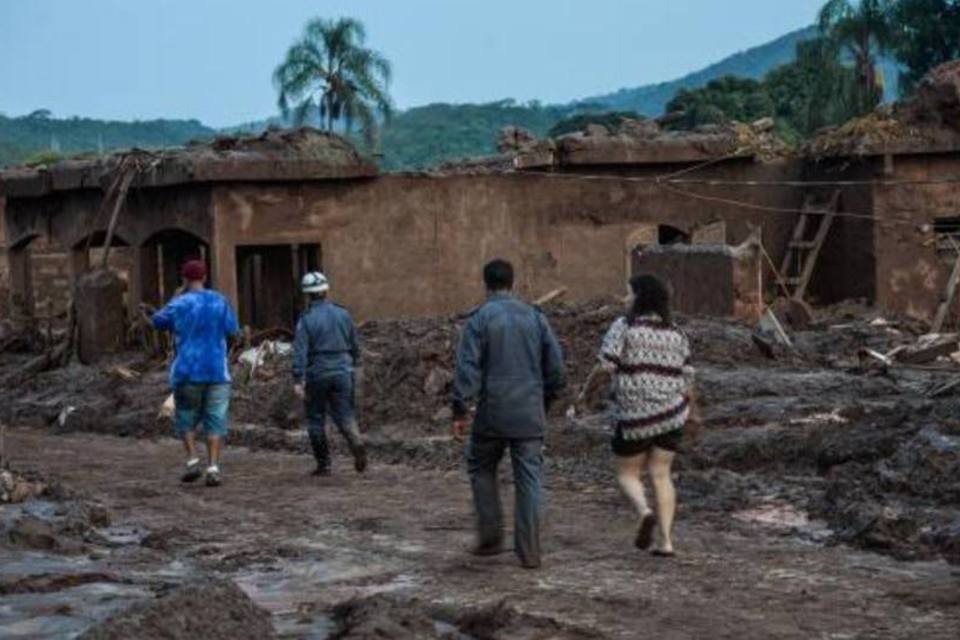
(386,616)
(209,609)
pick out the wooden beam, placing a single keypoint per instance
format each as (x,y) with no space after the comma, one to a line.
(945,305)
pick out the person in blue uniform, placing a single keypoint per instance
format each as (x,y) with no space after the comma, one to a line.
(326,356)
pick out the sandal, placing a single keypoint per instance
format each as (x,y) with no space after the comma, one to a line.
(645,532)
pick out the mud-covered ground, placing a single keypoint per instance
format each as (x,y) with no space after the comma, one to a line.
(820,499)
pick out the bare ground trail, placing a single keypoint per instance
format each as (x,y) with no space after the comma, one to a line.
(300,546)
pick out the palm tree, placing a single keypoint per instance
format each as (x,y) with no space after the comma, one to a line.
(863,30)
(330,75)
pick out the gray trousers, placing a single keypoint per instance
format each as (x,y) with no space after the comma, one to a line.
(526,455)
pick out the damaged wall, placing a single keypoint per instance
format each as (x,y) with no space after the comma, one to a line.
(4,265)
(48,234)
(711,280)
(407,245)
(912,274)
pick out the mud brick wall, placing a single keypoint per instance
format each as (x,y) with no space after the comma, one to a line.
(4,266)
(911,275)
(706,279)
(51,278)
(411,245)
(51,274)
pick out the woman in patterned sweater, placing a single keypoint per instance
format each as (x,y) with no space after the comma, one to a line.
(649,359)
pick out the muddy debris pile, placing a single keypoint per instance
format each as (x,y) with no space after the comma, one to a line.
(209,609)
(41,515)
(927,120)
(17,487)
(859,407)
(388,616)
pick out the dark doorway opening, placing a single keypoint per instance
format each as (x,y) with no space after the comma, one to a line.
(161,259)
(268,281)
(671,235)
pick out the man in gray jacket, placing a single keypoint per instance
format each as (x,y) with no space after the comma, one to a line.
(326,354)
(510,362)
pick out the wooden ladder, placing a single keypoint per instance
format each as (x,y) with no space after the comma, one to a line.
(802,251)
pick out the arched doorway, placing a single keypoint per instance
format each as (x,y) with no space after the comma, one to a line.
(161,256)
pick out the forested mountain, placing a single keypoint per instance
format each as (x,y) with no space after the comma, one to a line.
(752,63)
(416,138)
(38,134)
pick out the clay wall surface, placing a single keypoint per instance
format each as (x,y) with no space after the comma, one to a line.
(911,275)
(50,275)
(48,228)
(707,280)
(69,217)
(408,245)
(4,266)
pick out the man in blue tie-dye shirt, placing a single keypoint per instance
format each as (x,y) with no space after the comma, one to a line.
(201,320)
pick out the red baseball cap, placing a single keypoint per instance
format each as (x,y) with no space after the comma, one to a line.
(194,270)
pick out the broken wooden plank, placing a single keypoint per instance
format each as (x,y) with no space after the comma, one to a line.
(942,390)
(550,297)
(944,307)
(930,352)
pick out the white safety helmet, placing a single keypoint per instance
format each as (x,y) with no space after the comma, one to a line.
(314,282)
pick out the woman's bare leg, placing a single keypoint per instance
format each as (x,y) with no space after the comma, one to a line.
(659,464)
(628,474)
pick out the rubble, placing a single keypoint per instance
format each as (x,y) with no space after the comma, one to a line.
(302,153)
(213,609)
(812,412)
(928,120)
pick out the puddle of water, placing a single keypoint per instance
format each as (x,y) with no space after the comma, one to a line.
(41,509)
(120,536)
(25,563)
(66,613)
(289,588)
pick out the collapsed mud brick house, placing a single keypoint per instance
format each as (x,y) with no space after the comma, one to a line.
(263,210)
(899,168)
(581,212)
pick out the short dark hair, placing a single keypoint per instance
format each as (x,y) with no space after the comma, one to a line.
(498,275)
(650,295)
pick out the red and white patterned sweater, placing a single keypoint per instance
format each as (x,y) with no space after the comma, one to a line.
(652,376)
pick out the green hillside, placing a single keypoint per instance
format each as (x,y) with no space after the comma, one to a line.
(423,136)
(753,63)
(38,134)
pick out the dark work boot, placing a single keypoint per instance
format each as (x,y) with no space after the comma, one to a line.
(488,548)
(321,452)
(357,448)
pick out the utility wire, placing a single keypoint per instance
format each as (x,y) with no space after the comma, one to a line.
(668,182)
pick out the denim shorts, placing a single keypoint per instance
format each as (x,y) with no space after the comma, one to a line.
(206,405)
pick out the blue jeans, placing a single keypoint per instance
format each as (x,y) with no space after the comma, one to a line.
(201,404)
(331,395)
(526,456)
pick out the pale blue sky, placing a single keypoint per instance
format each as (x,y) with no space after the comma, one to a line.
(212,59)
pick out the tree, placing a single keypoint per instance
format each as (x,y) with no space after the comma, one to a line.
(330,75)
(926,33)
(721,100)
(813,91)
(862,29)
